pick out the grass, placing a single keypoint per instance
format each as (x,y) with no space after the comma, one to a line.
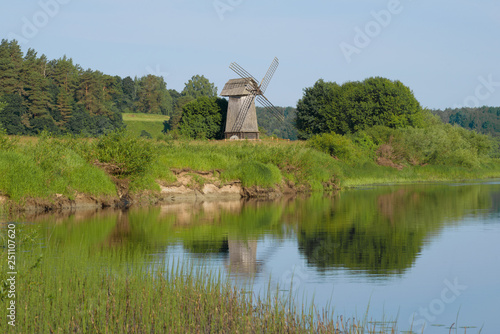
(49,167)
(144,117)
(137,123)
(43,167)
(438,152)
(63,292)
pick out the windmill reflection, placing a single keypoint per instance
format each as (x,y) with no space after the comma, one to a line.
(243,257)
(121,233)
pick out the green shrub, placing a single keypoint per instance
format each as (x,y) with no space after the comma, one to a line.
(338,146)
(131,155)
(6,143)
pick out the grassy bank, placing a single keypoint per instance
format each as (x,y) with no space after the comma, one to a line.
(439,152)
(63,292)
(46,167)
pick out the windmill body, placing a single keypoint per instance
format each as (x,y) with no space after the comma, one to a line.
(239,96)
(241,120)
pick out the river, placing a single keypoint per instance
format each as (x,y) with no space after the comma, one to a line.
(421,256)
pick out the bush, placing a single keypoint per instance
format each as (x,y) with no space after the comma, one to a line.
(129,156)
(6,143)
(336,145)
(146,134)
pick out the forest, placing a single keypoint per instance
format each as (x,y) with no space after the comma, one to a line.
(483,120)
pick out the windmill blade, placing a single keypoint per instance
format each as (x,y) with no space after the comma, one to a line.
(244,74)
(269,75)
(242,114)
(269,106)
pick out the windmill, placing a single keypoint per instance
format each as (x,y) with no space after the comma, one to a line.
(241,121)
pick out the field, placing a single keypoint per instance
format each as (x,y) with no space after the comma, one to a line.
(137,123)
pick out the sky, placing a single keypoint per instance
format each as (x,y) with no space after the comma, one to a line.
(446,51)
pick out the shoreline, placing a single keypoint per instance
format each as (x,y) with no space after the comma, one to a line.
(116,171)
(184,191)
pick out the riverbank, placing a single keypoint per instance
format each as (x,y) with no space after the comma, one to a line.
(50,174)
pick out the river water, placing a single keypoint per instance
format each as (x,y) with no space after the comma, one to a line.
(422,256)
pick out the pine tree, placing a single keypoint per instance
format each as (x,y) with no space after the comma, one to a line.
(11,59)
(35,85)
(88,92)
(64,106)
(64,76)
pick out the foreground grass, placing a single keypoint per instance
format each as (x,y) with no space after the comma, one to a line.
(65,292)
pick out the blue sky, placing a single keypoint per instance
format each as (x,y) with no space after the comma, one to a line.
(446,51)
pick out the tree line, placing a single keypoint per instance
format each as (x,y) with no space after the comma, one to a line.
(270,126)
(483,120)
(60,96)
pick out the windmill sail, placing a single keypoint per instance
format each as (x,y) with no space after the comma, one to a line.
(270,72)
(241,72)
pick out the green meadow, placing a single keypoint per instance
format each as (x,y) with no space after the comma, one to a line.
(139,123)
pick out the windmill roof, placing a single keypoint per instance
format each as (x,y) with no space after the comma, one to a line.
(237,87)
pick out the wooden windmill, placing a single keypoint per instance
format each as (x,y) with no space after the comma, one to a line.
(241,121)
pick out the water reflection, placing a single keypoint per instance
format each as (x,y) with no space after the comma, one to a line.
(379,231)
(382,230)
(121,233)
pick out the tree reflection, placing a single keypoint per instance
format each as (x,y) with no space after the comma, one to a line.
(382,231)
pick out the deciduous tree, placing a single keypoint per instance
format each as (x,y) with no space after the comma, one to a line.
(354,106)
(199,86)
(153,96)
(203,118)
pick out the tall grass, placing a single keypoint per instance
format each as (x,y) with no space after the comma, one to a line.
(436,153)
(49,167)
(254,173)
